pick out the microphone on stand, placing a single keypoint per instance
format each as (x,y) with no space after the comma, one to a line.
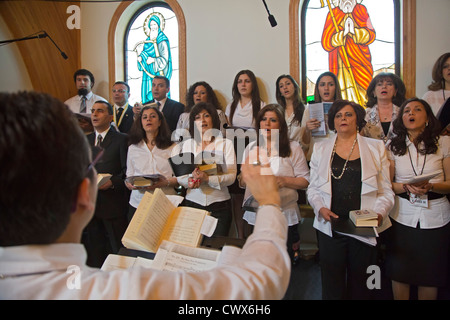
(39,36)
(63,54)
(272,20)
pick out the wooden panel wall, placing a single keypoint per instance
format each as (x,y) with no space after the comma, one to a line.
(48,70)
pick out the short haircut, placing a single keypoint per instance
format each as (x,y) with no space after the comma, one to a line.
(338,105)
(44,157)
(109,107)
(163,78)
(84,72)
(196,109)
(123,83)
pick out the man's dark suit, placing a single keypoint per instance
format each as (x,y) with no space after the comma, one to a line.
(127,120)
(172,110)
(104,232)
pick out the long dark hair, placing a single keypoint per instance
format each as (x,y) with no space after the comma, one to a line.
(337,92)
(398,98)
(256,99)
(284,143)
(299,107)
(137,132)
(429,136)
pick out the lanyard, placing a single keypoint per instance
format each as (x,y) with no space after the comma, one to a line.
(121,116)
(410,159)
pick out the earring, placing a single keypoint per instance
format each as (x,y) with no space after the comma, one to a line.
(426,124)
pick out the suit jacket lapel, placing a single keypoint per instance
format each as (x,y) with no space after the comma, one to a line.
(324,168)
(368,170)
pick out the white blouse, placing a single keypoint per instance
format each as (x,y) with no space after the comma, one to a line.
(293,166)
(438,212)
(243,116)
(141,161)
(216,190)
(436,99)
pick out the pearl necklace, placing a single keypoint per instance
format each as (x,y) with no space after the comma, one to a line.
(346,161)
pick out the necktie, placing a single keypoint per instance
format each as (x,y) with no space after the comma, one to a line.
(119,112)
(159,105)
(99,140)
(83,104)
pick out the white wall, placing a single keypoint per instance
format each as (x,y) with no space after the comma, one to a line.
(14,73)
(224,37)
(433,25)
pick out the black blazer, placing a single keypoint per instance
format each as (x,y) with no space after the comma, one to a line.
(172,110)
(127,120)
(113,202)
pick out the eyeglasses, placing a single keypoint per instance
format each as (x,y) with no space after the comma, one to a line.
(119,90)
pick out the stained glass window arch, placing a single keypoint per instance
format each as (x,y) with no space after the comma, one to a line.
(374,47)
(151,48)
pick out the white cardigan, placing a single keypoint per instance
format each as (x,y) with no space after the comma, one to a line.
(376,189)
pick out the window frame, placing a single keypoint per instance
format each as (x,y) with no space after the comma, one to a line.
(119,27)
(405,52)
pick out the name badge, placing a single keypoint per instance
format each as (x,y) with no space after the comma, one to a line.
(419,201)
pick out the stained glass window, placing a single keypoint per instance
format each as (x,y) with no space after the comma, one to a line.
(354,39)
(151,48)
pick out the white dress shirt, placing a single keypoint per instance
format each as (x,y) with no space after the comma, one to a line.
(58,271)
(216,190)
(74,103)
(293,166)
(243,116)
(141,161)
(438,213)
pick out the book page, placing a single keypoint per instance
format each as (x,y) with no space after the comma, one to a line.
(184,226)
(148,222)
(174,257)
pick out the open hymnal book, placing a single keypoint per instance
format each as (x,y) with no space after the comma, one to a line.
(212,163)
(175,257)
(157,219)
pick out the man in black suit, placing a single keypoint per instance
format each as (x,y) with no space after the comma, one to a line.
(170,108)
(123,112)
(104,232)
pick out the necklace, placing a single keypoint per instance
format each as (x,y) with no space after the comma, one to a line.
(346,161)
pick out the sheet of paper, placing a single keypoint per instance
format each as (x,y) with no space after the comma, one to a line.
(209,226)
(174,257)
(316,111)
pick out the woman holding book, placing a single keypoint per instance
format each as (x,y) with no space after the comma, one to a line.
(148,153)
(209,191)
(385,93)
(288,164)
(327,90)
(348,172)
(419,243)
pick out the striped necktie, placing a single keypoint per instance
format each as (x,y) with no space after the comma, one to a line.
(83,104)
